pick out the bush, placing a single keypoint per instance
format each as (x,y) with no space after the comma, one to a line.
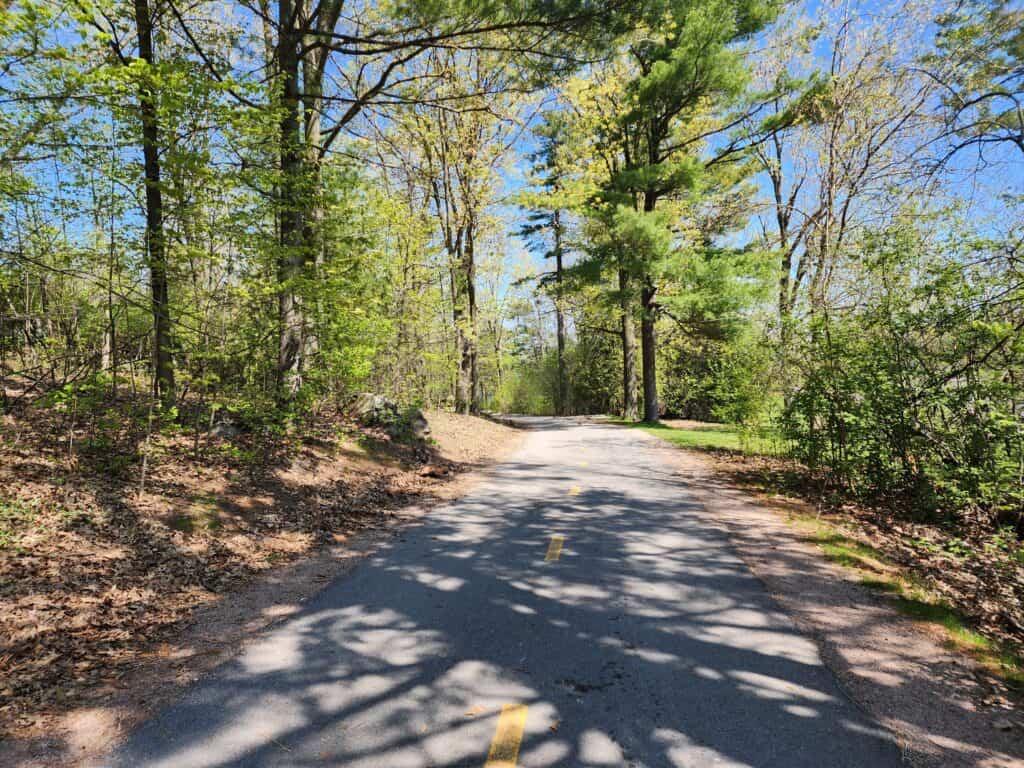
(916,388)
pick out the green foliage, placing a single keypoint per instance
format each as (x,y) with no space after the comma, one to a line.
(898,352)
(595,366)
(980,59)
(529,389)
(913,391)
(740,389)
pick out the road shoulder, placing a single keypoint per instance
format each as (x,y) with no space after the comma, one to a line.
(898,672)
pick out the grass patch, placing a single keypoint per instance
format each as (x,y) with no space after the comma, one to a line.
(710,437)
(202,515)
(851,554)
(881,585)
(15,515)
(922,607)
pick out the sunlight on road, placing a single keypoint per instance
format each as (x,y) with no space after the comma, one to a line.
(457,644)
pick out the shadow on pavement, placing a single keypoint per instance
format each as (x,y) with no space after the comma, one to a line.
(648,643)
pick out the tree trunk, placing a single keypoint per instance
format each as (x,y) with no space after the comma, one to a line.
(464,390)
(562,399)
(291,231)
(461,322)
(110,337)
(313,212)
(630,410)
(163,366)
(649,349)
(470,350)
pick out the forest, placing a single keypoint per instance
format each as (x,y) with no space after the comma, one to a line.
(802,221)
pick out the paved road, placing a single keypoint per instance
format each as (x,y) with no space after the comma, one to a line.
(643,642)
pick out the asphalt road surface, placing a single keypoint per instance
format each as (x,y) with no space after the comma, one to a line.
(576,609)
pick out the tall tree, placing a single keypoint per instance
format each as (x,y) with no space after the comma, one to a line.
(673,75)
(139,66)
(156,252)
(593,104)
(545,230)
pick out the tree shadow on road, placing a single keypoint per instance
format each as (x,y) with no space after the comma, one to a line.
(648,643)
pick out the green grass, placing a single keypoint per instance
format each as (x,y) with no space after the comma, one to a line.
(203,513)
(710,437)
(912,601)
(15,515)
(849,553)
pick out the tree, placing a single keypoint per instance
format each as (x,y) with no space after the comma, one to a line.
(163,368)
(545,230)
(844,119)
(140,67)
(671,78)
(368,51)
(451,147)
(978,65)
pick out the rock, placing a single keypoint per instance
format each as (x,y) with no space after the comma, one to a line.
(418,425)
(226,430)
(371,409)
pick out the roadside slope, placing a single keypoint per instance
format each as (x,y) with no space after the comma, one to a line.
(112,598)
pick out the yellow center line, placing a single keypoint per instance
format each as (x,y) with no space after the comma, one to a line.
(554,548)
(584,463)
(507,738)
(574,491)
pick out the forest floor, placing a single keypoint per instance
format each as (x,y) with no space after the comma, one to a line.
(106,558)
(959,575)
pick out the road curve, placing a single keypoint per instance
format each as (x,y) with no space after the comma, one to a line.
(577,608)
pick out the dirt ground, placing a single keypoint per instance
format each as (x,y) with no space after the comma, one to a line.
(113,596)
(946,710)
